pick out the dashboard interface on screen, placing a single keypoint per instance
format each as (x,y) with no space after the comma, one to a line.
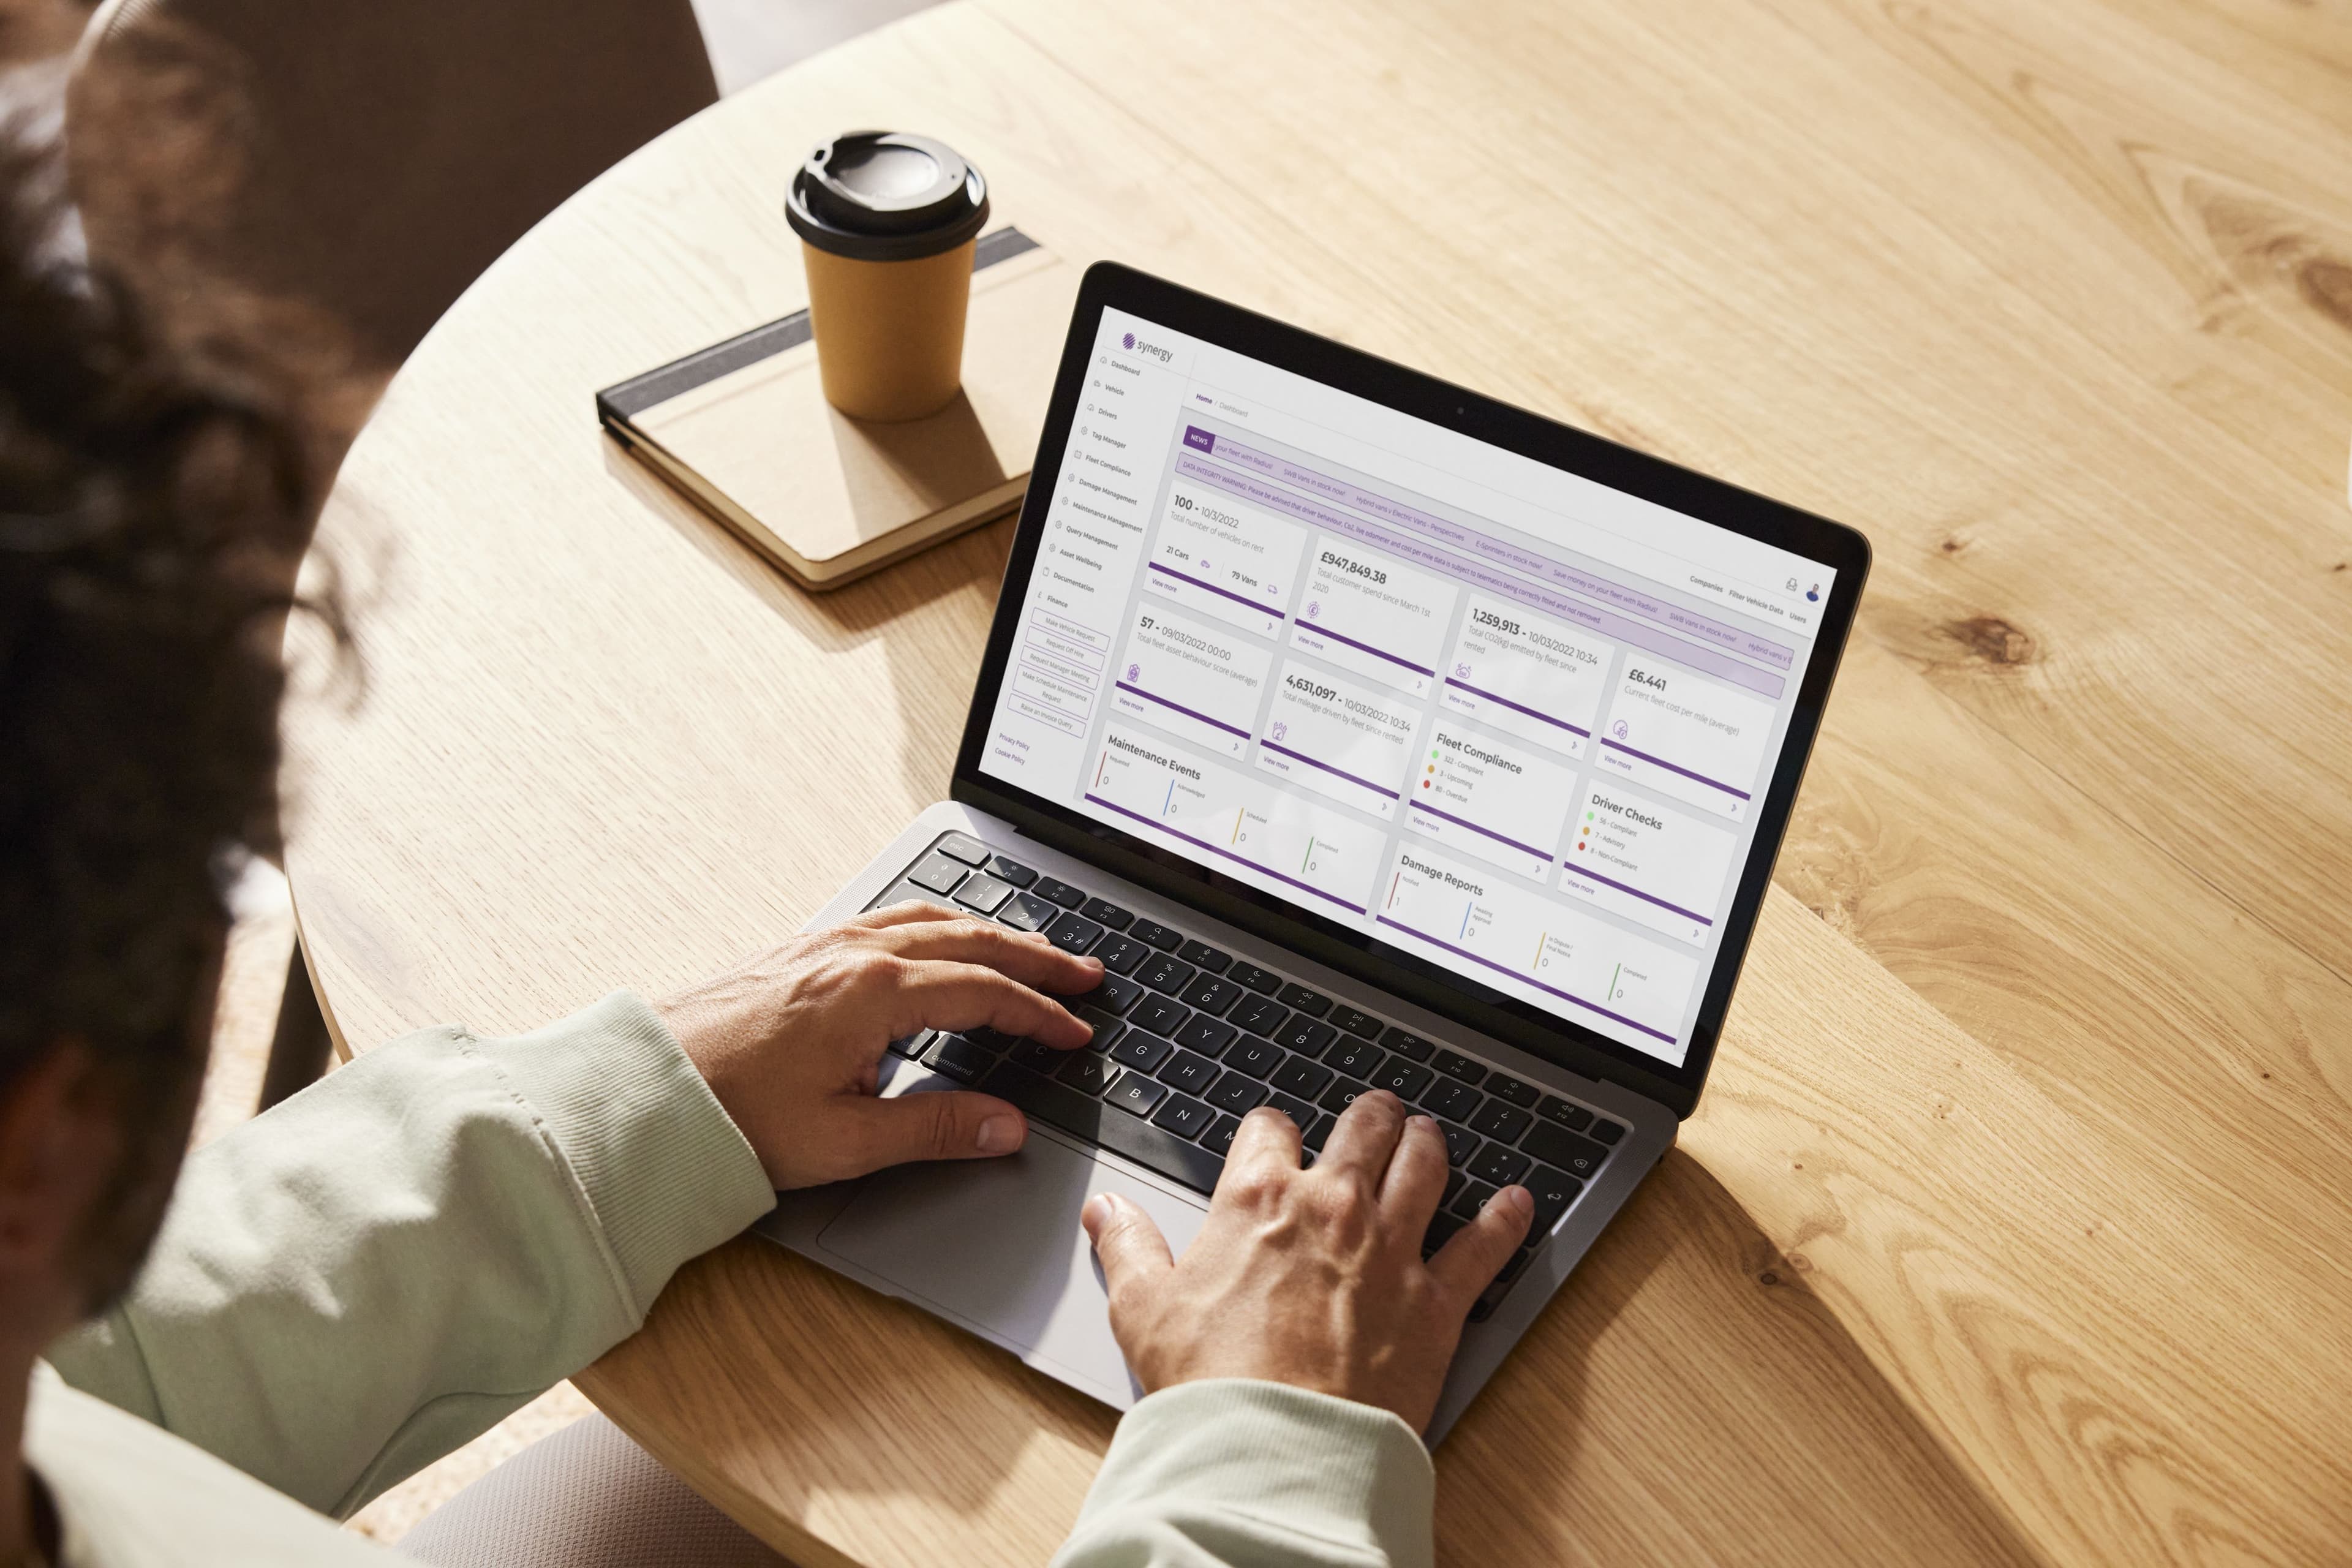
(1486,712)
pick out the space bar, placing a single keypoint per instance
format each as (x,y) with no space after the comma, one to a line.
(1090,1119)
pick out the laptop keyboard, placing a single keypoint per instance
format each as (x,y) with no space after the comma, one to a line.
(1189,1038)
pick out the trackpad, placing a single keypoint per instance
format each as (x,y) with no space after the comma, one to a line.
(996,1243)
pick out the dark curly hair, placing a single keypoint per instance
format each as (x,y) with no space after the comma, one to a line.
(150,512)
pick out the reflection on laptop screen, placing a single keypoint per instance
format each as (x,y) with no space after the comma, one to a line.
(1484,711)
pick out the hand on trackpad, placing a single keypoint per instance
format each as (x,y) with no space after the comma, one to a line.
(997,1245)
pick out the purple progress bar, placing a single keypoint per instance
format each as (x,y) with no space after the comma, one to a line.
(1179,708)
(1339,773)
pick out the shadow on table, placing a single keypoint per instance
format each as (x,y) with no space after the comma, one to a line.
(1688,1374)
(785,1393)
(931,609)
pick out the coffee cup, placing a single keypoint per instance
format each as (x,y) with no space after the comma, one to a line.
(887,222)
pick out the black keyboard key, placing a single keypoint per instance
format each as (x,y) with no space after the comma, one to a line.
(1553,1191)
(1314,1004)
(1341,1094)
(963,847)
(1257,979)
(1455,1182)
(1607,1131)
(1120,954)
(1211,994)
(907,893)
(1210,1036)
(1115,996)
(989,1040)
(1357,1059)
(1472,1198)
(1074,1112)
(1106,1029)
(1140,1051)
(1297,1109)
(1219,1138)
(1253,1056)
(1306,1035)
(1515,1266)
(1411,1046)
(1452,1064)
(1086,1072)
(1442,1228)
(1200,955)
(1503,1086)
(1160,1014)
(1013,871)
(1184,1117)
(983,892)
(1073,934)
(1037,1057)
(1237,1092)
(1357,1022)
(1055,890)
(1319,1134)
(1135,1094)
(1192,1074)
(1402,1078)
(1453,1101)
(1261,1015)
(1102,911)
(1460,1143)
(1578,1156)
(1163,972)
(937,873)
(1575,1117)
(1302,1077)
(958,1058)
(1500,1165)
(1026,911)
(1157,935)
(913,1045)
(1502,1123)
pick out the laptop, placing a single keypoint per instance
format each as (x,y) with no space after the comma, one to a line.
(1373,733)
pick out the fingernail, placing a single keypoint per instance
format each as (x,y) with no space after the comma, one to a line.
(1096,1213)
(1421,1121)
(999,1135)
(1519,1198)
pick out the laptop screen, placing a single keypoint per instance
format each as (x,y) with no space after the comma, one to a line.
(1477,708)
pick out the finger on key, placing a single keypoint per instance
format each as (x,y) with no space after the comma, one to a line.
(1468,1264)
(1415,1183)
(1027,957)
(909,911)
(941,994)
(1266,1141)
(1366,1137)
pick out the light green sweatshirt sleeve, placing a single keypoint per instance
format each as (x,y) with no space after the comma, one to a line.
(387,1265)
(1230,1473)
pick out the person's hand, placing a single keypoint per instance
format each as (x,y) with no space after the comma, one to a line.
(792,1041)
(1310,1277)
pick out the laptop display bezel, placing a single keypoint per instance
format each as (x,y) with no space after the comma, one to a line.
(1108,285)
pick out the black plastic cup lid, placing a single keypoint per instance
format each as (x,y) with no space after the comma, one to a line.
(883,195)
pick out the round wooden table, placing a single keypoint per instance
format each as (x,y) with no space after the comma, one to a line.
(2013,1225)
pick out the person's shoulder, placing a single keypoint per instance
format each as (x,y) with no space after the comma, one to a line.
(131,1494)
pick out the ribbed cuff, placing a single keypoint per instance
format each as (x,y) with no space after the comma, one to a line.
(664,1167)
(1294,1463)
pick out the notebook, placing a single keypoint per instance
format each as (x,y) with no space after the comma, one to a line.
(744,429)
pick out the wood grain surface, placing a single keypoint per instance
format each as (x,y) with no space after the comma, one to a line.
(2016,1224)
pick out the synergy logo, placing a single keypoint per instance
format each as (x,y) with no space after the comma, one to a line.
(1134,345)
